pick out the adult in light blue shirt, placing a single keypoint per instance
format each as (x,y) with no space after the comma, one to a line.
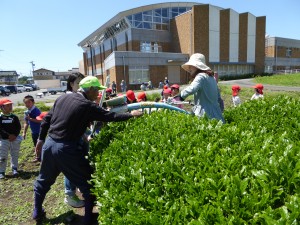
(203,87)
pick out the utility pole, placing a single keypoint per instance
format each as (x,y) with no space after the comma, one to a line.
(32,65)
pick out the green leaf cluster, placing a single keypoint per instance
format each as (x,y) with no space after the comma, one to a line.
(172,168)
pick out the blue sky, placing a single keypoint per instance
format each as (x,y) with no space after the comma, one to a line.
(48,31)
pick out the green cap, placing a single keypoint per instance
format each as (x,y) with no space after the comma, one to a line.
(91,81)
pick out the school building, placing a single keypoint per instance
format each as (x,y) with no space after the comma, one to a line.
(282,55)
(153,41)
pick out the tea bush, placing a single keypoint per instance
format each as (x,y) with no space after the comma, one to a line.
(171,168)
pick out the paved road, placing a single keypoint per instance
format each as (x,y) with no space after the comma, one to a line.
(17,99)
(250,83)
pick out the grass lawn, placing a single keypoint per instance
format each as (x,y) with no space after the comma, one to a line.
(280,80)
(16,194)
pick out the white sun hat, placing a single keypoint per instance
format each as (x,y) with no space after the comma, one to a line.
(197,60)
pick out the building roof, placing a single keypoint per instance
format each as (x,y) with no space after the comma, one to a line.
(98,34)
(9,73)
(42,70)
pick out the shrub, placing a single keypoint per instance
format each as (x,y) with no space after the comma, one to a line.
(171,168)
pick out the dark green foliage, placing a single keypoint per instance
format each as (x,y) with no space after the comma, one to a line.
(171,168)
(243,76)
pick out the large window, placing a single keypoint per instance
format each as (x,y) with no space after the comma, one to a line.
(138,74)
(157,19)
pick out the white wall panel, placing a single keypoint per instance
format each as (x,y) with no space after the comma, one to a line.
(234,37)
(251,38)
(214,34)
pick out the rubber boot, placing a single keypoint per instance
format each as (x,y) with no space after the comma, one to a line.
(88,209)
(38,211)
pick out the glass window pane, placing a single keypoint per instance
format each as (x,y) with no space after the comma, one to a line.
(182,10)
(140,25)
(157,12)
(157,19)
(165,20)
(129,17)
(138,74)
(148,13)
(164,12)
(137,24)
(175,9)
(147,25)
(148,18)
(138,16)
(174,14)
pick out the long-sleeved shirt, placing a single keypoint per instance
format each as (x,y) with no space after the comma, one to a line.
(9,124)
(205,90)
(71,114)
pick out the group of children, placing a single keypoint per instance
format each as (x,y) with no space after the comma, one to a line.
(258,88)
(10,128)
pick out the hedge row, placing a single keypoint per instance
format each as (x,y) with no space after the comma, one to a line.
(171,168)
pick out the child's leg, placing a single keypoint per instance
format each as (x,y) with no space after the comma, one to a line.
(70,188)
(14,152)
(34,138)
(4,146)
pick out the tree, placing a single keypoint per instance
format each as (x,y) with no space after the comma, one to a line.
(22,80)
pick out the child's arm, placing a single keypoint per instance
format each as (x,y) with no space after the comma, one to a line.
(25,130)
(34,120)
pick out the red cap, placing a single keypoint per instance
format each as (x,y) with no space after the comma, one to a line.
(141,96)
(235,89)
(5,101)
(258,86)
(166,87)
(167,91)
(130,95)
(108,90)
(41,116)
(176,86)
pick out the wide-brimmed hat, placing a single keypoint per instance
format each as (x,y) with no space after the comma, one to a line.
(197,60)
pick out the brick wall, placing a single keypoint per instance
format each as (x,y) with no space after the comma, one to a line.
(157,73)
(224,35)
(201,30)
(260,44)
(243,33)
(181,29)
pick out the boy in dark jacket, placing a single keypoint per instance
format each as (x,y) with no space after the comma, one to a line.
(10,139)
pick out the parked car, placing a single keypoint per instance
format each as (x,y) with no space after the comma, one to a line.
(28,88)
(34,86)
(21,88)
(4,91)
(12,88)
